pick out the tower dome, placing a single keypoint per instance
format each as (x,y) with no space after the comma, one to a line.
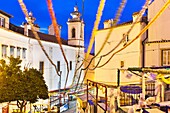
(75,15)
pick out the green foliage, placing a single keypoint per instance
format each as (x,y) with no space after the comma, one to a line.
(18,85)
(8,78)
(36,87)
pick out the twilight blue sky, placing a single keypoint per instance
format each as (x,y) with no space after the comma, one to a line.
(63,8)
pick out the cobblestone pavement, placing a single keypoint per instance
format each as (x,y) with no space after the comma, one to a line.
(72,106)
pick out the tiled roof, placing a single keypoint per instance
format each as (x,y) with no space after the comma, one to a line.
(125,23)
(136,13)
(16,28)
(44,37)
(144,19)
(121,24)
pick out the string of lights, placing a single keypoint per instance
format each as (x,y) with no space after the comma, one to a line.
(164,2)
(126,34)
(81,84)
(78,54)
(90,50)
(108,35)
(24,9)
(140,14)
(118,14)
(125,53)
(75,72)
(95,28)
(56,29)
(116,20)
(142,31)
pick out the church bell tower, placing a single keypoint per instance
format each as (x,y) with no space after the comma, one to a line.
(75,29)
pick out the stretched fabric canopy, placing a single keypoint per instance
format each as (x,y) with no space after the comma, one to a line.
(131,89)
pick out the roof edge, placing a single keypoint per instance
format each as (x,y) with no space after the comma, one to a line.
(6,14)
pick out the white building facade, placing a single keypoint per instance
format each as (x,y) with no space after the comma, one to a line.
(128,57)
(157,48)
(152,49)
(158,36)
(20,42)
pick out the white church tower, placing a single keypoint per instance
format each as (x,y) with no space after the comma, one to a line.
(75,29)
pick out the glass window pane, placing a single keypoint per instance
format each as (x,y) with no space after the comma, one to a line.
(164,57)
(12,50)
(2,21)
(24,53)
(4,51)
(168,57)
(41,67)
(18,52)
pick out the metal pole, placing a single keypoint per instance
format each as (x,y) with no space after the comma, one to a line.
(87,92)
(118,77)
(96,96)
(105,99)
(143,85)
(60,90)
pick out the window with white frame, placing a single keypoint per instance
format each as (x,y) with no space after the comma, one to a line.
(166,57)
(24,53)
(2,22)
(18,52)
(12,50)
(4,51)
